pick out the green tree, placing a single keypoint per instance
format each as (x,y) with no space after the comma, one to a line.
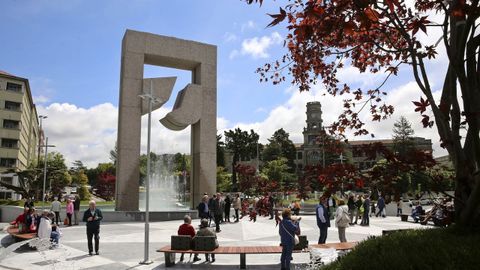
(220,152)
(58,176)
(280,146)
(243,146)
(30,184)
(94,173)
(223,180)
(402,136)
(279,171)
(114,154)
(82,182)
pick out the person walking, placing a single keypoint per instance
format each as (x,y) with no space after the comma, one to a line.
(203,210)
(352,208)
(210,209)
(205,231)
(399,207)
(217,209)
(55,208)
(323,219)
(342,220)
(358,206)
(271,204)
(237,204)
(287,231)
(76,209)
(366,211)
(228,205)
(92,216)
(69,211)
(380,206)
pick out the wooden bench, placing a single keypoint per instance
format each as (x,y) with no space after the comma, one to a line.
(13,231)
(244,250)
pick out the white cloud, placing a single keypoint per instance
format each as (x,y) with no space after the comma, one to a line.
(233,54)
(40,99)
(229,37)
(260,110)
(291,116)
(257,47)
(88,134)
(248,25)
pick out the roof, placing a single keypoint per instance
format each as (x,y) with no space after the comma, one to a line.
(6,73)
(361,142)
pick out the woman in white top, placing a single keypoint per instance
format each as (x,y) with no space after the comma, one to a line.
(342,220)
(45,227)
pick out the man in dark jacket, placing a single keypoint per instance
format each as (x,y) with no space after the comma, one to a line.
(323,219)
(380,206)
(217,210)
(366,211)
(92,216)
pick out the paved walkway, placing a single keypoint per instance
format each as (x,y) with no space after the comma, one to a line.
(122,246)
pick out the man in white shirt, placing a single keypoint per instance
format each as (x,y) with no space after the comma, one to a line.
(56,207)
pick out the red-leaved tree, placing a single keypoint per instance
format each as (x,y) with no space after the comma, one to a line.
(106,186)
(252,184)
(382,36)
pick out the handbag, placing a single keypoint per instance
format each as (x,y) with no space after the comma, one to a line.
(33,227)
(295,237)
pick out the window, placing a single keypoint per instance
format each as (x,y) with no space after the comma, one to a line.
(5,195)
(12,106)
(11,124)
(8,180)
(15,87)
(10,143)
(8,162)
(299,155)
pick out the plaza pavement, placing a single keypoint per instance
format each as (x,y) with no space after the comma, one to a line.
(122,246)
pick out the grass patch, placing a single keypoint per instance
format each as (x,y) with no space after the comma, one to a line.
(442,248)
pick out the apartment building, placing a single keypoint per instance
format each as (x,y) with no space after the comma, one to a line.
(19,132)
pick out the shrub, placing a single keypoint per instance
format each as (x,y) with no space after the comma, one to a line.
(442,248)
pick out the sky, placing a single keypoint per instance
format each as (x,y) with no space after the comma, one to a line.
(70,52)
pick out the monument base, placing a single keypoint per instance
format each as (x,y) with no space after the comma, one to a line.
(128,216)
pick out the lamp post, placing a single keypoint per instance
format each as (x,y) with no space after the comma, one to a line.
(258,160)
(150,100)
(45,171)
(41,117)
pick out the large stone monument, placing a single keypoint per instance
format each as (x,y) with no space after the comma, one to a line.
(195,105)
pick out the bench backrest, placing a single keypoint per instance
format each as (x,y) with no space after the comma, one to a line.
(181,242)
(204,243)
(302,244)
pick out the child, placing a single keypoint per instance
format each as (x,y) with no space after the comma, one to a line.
(253,215)
(55,235)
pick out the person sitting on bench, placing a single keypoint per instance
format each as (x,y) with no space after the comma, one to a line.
(187,229)
(205,231)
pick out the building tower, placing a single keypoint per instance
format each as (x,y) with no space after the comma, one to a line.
(312,149)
